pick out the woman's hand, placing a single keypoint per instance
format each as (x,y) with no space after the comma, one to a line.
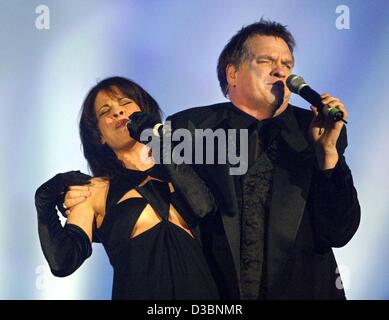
(49,194)
(74,196)
(64,247)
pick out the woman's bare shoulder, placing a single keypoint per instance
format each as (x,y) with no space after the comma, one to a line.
(99,190)
(98,183)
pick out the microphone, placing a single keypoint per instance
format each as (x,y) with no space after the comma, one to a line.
(297,84)
(160,130)
(140,121)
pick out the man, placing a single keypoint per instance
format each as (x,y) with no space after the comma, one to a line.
(296,200)
(272,235)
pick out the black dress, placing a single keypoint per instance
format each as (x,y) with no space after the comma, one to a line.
(163,262)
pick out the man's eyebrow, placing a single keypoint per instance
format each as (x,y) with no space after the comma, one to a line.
(264,56)
(270,57)
(288,60)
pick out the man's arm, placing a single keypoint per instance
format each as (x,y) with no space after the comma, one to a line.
(334,202)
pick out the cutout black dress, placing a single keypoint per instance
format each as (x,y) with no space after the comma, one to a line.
(163,262)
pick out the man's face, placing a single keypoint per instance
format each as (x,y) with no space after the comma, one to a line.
(259,82)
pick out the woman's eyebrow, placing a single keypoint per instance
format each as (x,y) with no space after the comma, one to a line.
(105,105)
(124,100)
(121,101)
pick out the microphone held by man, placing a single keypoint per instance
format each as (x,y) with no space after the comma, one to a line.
(297,85)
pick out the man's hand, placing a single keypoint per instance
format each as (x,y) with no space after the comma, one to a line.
(325,133)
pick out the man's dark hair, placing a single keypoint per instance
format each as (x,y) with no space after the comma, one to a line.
(236,52)
(101,159)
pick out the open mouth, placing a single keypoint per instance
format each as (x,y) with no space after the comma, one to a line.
(277,85)
(121,123)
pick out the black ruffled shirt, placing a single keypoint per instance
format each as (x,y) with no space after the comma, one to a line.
(254,188)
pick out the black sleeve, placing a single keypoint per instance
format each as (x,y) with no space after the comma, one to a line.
(65,248)
(192,189)
(189,185)
(335,205)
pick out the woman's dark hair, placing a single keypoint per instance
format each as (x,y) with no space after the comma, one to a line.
(235,52)
(101,159)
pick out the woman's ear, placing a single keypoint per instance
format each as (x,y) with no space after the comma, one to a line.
(102,140)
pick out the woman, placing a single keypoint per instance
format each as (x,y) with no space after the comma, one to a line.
(133,209)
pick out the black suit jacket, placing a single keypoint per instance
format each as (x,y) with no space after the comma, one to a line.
(310,212)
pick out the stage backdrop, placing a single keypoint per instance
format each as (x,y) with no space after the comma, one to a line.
(53,51)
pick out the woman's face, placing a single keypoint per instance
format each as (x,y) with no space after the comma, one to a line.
(112,110)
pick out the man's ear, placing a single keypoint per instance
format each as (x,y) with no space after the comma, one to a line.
(231,75)
(102,141)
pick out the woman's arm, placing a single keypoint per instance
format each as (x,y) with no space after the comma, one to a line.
(65,248)
(82,216)
(84,213)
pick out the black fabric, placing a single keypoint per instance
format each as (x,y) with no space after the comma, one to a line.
(252,195)
(256,184)
(163,262)
(71,178)
(65,248)
(188,184)
(252,192)
(307,217)
(140,121)
(333,186)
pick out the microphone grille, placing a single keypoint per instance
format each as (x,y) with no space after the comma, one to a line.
(295,83)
